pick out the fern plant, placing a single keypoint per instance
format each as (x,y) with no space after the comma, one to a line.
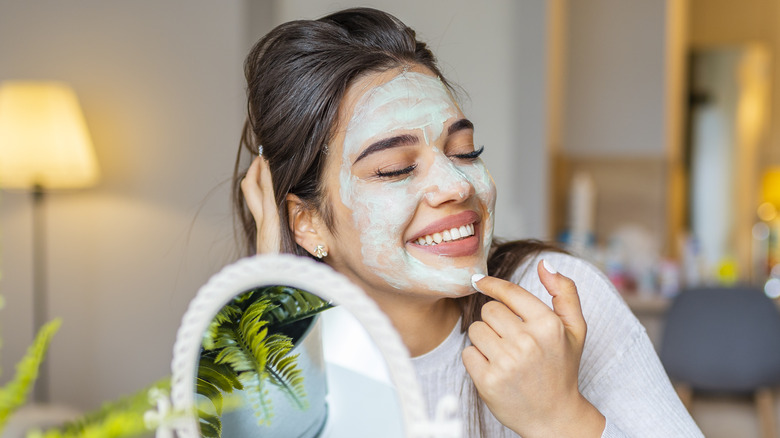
(247,346)
(14,394)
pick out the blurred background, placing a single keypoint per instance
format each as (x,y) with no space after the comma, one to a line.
(643,135)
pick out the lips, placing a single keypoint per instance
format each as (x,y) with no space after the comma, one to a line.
(453,236)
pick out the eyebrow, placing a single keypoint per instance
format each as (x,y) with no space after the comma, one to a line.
(387,143)
(459,126)
(408,139)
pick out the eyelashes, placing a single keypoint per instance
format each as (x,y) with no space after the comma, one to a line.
(396,173)
(470,156)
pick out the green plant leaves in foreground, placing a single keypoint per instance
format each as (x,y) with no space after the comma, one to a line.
(14,393)
(246,347)
(122,418)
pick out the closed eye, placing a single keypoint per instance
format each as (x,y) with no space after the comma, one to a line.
(473,155)
(395,173)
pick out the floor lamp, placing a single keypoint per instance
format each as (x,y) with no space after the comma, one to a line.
(44,144)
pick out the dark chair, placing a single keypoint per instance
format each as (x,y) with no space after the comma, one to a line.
(724,340)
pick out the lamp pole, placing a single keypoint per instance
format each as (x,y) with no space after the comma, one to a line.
(40,297)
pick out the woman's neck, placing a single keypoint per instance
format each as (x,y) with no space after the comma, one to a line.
(423,323)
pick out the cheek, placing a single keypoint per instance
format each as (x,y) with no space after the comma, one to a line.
(484,187)
(380,213)
(382,210)
(485,191)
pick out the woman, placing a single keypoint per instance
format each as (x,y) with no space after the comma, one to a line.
(369,165)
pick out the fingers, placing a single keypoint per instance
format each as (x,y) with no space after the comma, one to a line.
(565,299)
(486,340)
(257,187)
(474,361)
(267,186)
(523,303)
(250,186)
(501,319)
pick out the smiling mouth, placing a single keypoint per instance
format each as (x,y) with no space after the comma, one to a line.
(450,235)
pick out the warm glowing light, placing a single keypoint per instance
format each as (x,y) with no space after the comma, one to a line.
(43,137)
(766,211)
(770,186)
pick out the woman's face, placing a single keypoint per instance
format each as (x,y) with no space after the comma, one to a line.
(412,200)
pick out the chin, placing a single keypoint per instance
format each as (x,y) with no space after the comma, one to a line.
(462,292)
(450,280)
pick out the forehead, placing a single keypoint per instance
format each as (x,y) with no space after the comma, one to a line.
(395,100)
(382,87)
(404,90)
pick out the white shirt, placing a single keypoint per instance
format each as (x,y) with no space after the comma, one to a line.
(620,373)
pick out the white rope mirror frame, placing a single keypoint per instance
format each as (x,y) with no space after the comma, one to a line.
(319,279)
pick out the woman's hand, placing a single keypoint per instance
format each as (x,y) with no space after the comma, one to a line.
(258,192)
(525,358)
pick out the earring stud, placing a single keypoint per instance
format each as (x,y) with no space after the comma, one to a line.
(320,252)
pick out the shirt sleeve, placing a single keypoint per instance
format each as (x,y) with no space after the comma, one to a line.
(620,373)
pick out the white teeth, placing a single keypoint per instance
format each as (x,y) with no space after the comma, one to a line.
(447,235)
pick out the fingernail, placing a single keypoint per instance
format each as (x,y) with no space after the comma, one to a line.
(474,279)
(549,267)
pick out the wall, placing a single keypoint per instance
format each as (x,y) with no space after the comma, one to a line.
(162,91)
(615,79)
(621,70)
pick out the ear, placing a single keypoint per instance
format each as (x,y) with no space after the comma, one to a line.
(305,223)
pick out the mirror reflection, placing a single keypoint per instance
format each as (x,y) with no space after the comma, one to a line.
(261,362)
(273,363)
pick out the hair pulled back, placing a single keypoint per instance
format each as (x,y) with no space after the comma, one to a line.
(296,77)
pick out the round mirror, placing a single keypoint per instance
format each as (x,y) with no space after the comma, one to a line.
(249,359)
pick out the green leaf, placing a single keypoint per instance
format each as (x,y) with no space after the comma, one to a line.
(122,418)
(14,393)
(292,305)
(284,371)
(210,391)
(221,376)
(227,314)
(210,425)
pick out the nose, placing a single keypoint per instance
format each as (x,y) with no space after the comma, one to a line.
(447,183)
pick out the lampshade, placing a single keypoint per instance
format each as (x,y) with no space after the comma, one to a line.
(43,137)
(770,186)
